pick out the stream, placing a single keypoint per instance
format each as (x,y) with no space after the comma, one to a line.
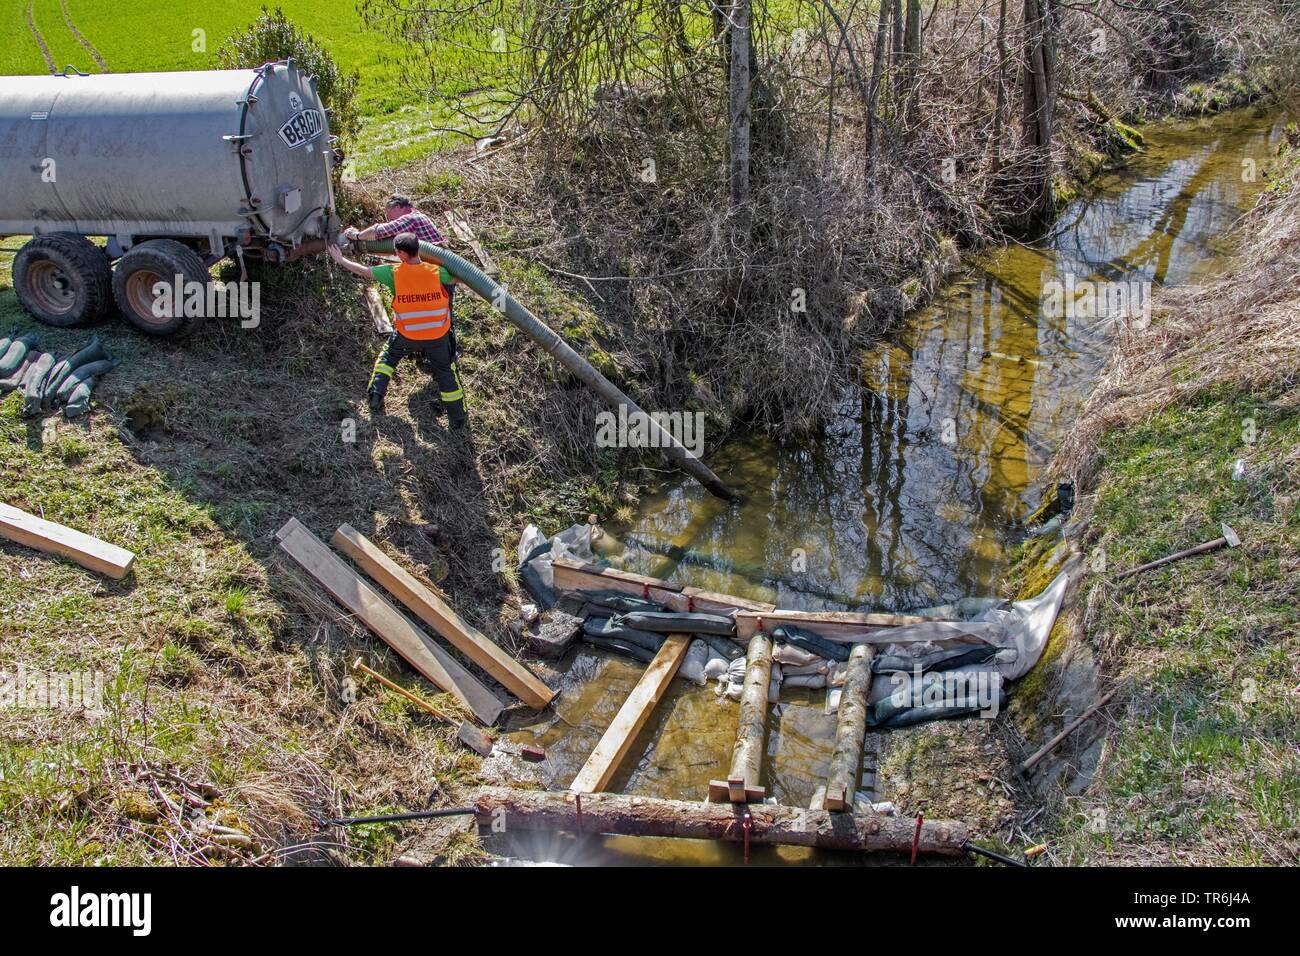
(917,489)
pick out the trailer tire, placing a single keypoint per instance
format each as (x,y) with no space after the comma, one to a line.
(143,267)
(63,280)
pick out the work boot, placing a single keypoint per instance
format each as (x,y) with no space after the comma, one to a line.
(376,402)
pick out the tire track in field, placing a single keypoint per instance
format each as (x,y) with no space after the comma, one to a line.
(81,38)
(40,40)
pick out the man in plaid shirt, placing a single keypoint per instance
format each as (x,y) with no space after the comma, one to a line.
(402,217)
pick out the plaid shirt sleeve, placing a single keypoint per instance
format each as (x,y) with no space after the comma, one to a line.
(417,224)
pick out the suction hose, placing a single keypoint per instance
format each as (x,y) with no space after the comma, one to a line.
(544,336)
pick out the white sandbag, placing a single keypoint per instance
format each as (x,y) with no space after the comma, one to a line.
(789,654)
(716,666)
(819,667)
(804,680)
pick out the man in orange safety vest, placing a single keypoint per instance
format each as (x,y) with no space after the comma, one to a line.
(421,320)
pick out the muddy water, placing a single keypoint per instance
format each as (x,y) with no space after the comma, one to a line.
(917,488)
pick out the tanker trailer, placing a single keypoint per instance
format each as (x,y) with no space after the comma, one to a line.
(176,171)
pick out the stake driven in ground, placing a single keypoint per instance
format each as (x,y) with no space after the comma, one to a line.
(543,335)
(621,814)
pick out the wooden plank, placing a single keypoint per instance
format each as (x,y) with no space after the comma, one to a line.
(378,314)
(604,761)
(844,627)
(386,621)
(571,575)
(52,538)
(435,612)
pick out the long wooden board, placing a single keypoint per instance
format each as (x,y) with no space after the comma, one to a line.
(604,761)
(844,627)
(435,612)
(573,575)
(390,624)
(52,538)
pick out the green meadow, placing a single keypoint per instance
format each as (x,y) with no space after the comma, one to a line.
(159,35)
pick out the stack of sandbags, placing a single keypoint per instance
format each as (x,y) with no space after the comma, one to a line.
(48,383)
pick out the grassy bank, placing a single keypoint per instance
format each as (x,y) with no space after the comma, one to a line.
(1195,761)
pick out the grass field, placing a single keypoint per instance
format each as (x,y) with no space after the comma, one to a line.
(158,35)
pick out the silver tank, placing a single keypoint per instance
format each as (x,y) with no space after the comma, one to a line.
(228,156)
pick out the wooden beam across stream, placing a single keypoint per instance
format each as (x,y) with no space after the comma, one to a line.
(571,575)
(620,814)
(618,738)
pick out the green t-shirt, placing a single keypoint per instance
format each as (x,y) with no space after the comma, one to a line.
(384,276)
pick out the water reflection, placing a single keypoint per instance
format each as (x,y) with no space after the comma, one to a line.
(915,491)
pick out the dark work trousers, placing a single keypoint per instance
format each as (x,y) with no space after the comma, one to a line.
(441,356)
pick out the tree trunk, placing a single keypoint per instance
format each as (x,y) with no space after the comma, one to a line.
(873,95)
(739,83)
(912,59)
(850,729)
(751,735)
(1000,101)
(503,810)
(1039,99)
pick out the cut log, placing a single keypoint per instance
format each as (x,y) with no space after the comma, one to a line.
(571,575)
(52,538)
(386,621)
(851,728)
(435,612)
(743,783)
(618,738)
(619,814)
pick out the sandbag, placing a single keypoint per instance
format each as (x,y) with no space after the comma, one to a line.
(536,587)
(723,645)
(15,354)
(811,642)
(50,387)
(884,714)
(84,374)
(12,381)
(609,628)
(634,651)
(692,666)
(5,342)
(79,402)
(794,656)
(941,695)
(804,680)
(942,659)
(93,352)
(33,383)
(621,602)
(679,622)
